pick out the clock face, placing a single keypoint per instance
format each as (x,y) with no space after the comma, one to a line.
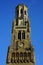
(20,45)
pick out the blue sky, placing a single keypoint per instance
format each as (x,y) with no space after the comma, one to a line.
(7,14)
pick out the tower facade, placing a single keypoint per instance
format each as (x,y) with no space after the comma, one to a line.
(21,51)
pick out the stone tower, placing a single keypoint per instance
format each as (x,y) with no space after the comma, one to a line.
(21,51)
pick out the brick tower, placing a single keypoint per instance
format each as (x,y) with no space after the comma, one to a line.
(21,52)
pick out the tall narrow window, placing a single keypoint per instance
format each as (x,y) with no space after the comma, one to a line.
(29,56)
(16,21)
(13,58)
(17,56)
(21,11)
(25,12)
(25,22)
(23,35)
(19,35)
(28,30)
(21,57)
(25,56)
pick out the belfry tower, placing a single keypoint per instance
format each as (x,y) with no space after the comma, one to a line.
(21,52)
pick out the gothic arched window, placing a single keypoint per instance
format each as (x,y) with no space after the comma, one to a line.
(25,12)
(13,57)
(25,57)
(17,56)
(23,35)
(19,35)
(29,56)
(21,11)
(21,57)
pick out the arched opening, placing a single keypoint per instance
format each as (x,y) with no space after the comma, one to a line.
(17,56)
(13,58)
(19,35)
(23,35)
(21,57)
(25,12)
(25,57)
(21,11)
